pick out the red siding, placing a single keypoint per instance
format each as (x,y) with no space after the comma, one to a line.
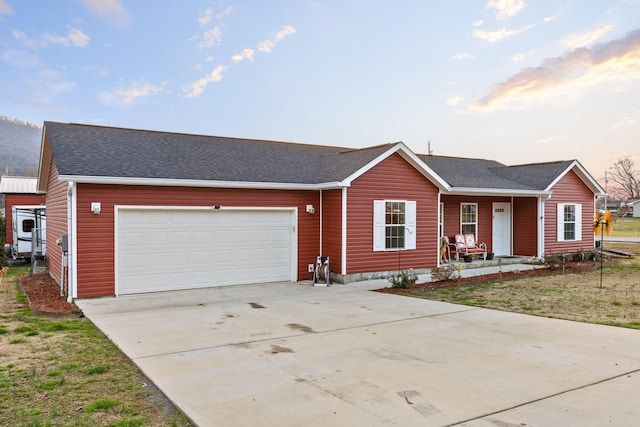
(525,226)
(95,234)
(570,189)
(332,227)
(393,178)
(56,221)
(11,200)
(485,215)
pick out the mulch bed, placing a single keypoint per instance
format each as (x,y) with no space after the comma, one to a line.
(44,297)
(571,267)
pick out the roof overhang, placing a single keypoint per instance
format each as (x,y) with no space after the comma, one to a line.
(406,154)
(163,182)
(502,192)
(585,176)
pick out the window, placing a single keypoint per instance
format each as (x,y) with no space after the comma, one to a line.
(469,218)
(394,225)
(569,222)
(27,225)
(441,221)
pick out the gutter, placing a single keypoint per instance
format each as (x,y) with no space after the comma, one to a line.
(166,182)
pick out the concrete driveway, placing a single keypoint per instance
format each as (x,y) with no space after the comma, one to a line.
(293,355)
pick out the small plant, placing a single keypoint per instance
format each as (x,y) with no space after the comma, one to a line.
(404,279)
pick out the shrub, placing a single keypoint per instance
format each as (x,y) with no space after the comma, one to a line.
(403,279)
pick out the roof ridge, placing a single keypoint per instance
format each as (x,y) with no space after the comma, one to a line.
(193,134)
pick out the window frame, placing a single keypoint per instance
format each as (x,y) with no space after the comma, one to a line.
(380,225)
(468,223)
(562,222)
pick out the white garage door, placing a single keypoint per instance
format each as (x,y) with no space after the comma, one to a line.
(169,249)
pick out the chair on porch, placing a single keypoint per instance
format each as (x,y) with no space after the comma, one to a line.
(465,244)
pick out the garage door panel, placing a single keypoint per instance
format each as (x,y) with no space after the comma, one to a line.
(164,249)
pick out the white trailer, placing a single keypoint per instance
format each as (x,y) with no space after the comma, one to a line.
(29,231)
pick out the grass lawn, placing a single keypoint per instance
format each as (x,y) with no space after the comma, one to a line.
(65,372)
(627,227)
(575,296)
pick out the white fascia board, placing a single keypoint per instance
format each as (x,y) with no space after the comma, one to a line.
(163,182)
(584,176)
(461,191)
(406,154)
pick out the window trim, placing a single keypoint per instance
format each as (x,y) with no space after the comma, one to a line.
(475,223)
(380,225)
(561,222)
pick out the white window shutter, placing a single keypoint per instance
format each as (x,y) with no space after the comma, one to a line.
(560,222)
(578,221)
(378,225)
(410,225)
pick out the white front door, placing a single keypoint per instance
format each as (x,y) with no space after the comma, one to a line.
(501,236)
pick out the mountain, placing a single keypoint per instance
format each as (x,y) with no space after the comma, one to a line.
(19,147)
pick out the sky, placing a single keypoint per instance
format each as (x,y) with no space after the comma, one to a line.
(517,81)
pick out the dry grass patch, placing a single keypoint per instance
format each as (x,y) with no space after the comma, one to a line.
(574,296)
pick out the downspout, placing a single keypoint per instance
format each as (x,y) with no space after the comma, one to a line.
(343,266)
(440,221)
(71,241)
(321,229)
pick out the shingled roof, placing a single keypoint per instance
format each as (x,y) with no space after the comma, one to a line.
(489,174)
(107,154)
(97,151)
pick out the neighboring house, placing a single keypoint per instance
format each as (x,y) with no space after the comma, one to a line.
(18,190)
(634,208)
(149,211)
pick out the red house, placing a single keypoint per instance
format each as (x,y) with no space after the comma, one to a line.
(146,211)
(18,191)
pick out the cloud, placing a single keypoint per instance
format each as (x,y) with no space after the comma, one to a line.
(478,23)
(549,18)
(20,58)
(196,88)
(225,12)
(245,54)
(506,8)
(4,8)
(125,96)
(627,121)
(499,35)
(462,56)
(74,37)
(205,18)
(521,56)
(454,100)
(617,59)
(210,38)
(585,38)
(267,45)
(111,10)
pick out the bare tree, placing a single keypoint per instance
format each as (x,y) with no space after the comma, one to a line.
(627,178)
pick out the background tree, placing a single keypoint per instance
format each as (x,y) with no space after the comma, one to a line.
(627,178)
